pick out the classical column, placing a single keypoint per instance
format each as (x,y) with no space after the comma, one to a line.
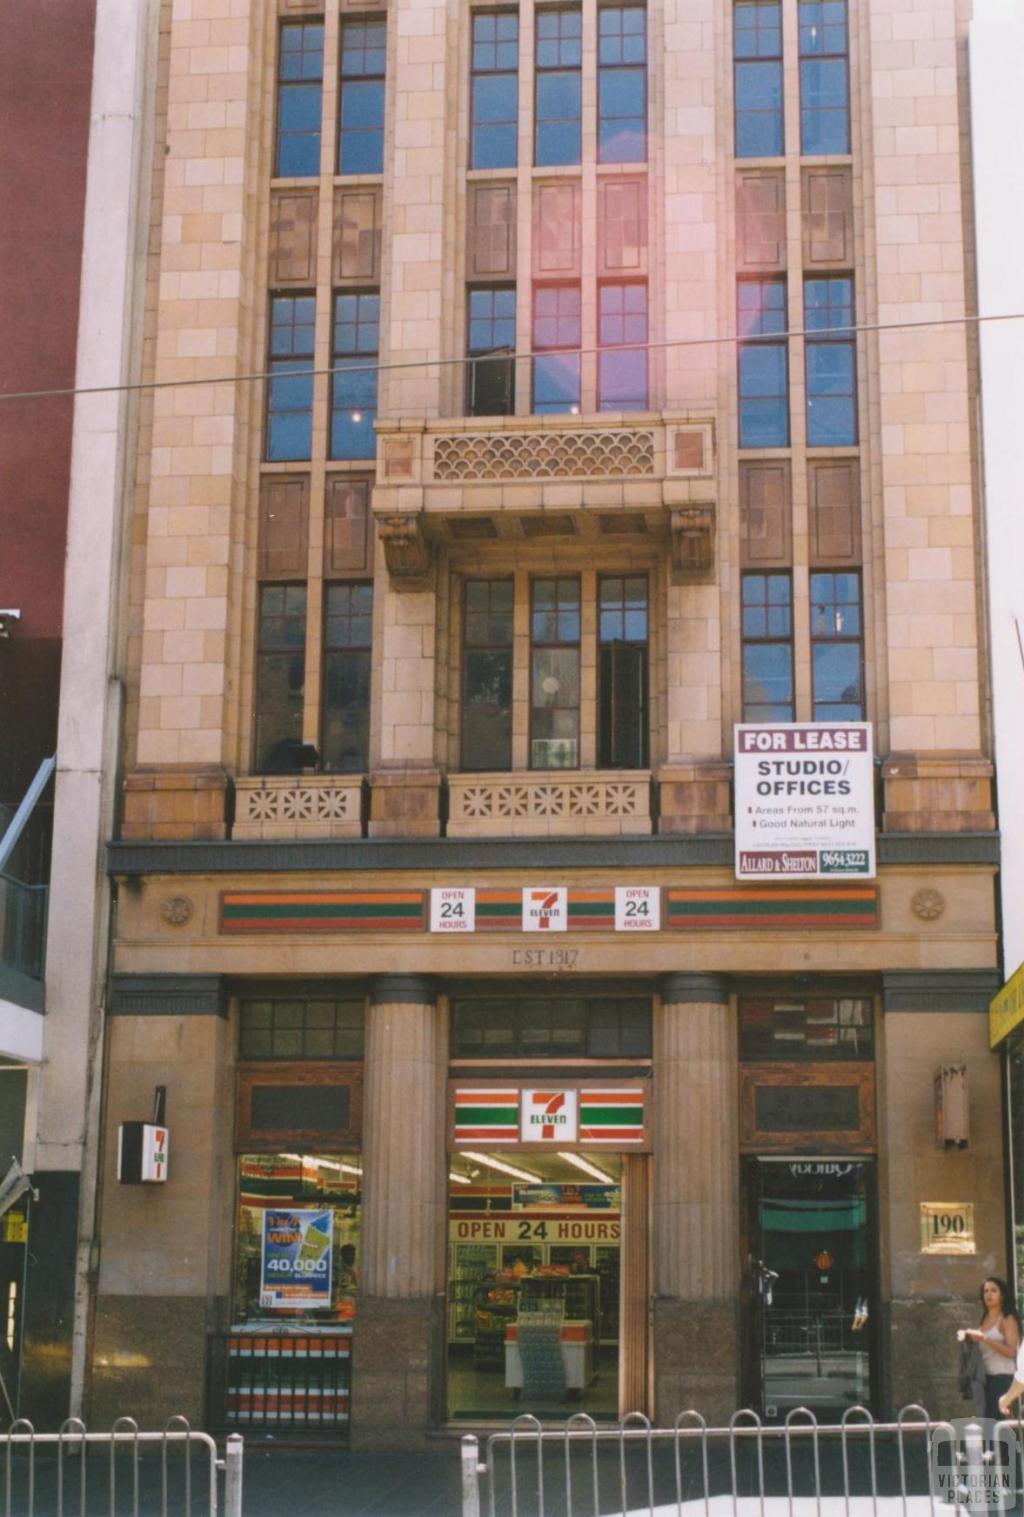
(696,1199)
(399,1342)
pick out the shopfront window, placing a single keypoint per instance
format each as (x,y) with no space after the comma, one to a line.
(284,1359)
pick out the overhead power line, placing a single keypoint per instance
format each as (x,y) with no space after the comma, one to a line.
(346,367)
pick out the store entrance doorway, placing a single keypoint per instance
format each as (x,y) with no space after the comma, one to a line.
(812,1291)
(541,1309)
(14,1225)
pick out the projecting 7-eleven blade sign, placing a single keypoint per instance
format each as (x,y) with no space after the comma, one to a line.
(548,1116)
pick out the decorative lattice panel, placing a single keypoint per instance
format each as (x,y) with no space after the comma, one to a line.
(317,806)
(480,806)
(468,456)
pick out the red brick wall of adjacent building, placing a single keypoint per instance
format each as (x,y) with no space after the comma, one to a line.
(45,83)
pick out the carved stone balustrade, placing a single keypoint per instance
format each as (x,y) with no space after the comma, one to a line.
(522,477)
(299,806)
(582,803)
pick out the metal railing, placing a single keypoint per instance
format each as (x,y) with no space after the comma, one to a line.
(128,1473)
(297,1380)
(23,925)
(913,1467)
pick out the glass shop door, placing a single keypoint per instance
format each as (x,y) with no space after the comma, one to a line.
(812,1285)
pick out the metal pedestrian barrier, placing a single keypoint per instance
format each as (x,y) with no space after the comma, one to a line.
(912,1467)
(124,1473)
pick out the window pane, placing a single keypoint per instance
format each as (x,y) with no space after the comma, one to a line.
(767,683)
(824,113)
(757,29)
(494,133)
(622,380)
(759,121)
(837,682)
(346,711)
(764,419)
(361,148)
(558,118)
(556,383)
(299,99)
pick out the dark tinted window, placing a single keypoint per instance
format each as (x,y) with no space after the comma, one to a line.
(491,343)
(348,630)
(487,674)
(533,1027)
(280,678)
(300,1028)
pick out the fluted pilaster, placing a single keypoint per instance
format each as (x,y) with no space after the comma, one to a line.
(696,1198)
(403,1163)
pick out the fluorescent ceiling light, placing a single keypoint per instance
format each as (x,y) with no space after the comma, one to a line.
(347,1169)
(459,1179)
(506,1169)
(587,1168)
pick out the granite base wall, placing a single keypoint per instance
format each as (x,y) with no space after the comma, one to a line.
(696,1359)
(397,1371)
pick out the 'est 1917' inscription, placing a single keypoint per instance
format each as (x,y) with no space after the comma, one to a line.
(546,958)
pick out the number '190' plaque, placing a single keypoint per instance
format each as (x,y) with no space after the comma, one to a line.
(947,1227)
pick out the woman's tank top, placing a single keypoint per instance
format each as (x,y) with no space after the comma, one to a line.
(995,1364)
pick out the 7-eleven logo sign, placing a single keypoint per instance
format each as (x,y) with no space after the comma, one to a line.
(545,908)
(549,1116)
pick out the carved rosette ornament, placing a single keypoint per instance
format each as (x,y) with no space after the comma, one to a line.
(928,904)
(177,910)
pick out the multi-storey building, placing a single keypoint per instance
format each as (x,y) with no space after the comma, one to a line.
(538,391)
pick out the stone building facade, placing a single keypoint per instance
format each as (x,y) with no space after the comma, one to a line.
(539,391)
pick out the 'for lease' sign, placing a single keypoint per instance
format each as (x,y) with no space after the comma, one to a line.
(804,801)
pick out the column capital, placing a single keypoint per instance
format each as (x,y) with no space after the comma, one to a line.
(688,988)
(403,990)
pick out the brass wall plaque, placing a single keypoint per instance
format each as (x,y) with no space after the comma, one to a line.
(947,1227)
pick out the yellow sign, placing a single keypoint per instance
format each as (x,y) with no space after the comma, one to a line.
(947,1227)
(1006,1010)
(15,1228)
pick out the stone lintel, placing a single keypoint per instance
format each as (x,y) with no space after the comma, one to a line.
(167,995)
(963,990)
(687,989)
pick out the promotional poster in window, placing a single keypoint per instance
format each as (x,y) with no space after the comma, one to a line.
(295,1269)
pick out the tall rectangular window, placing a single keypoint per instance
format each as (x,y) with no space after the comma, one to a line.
(621,84)
(767,629)
(556,345)
(300,73)
(763,363)
(558,104)
(555,674)
(345,718)
(361,109)
(494,91)
(487,653)
(622,634)
(491,345)
(830,362)
(837,648)
(757,54)
(824,77)
(354,387)
(290,385)
(280,678)
(622,367)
